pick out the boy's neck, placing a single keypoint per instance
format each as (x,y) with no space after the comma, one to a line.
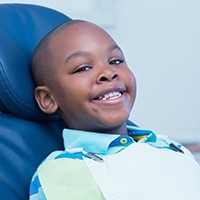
(121,130)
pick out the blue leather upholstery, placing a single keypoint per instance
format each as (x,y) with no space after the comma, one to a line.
(27,136)
(21,28)
(23,145)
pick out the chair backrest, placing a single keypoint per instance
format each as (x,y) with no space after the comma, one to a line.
(27,135)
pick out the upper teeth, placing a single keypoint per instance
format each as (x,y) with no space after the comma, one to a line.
(111,95)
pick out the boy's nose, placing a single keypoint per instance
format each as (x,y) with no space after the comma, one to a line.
(106,75)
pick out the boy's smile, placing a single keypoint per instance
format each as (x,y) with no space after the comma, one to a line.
(90,82)
(114,95)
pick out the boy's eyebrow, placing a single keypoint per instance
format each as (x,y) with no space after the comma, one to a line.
(85,53)
(113,47)
(76,55)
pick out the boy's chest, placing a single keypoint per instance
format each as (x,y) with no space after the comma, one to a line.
(145,172)
(139,172)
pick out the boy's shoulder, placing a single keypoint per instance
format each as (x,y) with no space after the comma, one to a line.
(174,145)
(59,156)
(158,141)
(62,171)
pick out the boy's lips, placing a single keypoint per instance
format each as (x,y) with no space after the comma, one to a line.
(113,95)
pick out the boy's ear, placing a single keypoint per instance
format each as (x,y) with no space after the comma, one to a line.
(45,100)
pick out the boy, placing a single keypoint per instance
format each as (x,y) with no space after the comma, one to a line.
(82,75)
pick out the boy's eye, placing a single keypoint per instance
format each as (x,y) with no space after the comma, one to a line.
(82,69)
(116,62)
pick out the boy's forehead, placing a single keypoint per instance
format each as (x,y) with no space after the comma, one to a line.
(81,36)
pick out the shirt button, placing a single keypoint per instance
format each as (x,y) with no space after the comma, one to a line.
(123,141)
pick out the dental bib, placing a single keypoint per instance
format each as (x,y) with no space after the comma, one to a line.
(143,172)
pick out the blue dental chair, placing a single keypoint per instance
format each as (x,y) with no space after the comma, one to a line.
(27,136)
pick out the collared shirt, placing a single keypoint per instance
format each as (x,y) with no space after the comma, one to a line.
(102,143)
(79,144)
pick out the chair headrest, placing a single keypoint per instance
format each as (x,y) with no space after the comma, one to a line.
(22,26)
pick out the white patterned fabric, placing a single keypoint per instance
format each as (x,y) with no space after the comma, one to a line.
(143,172)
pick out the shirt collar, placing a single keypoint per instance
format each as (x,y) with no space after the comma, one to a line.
(100,142)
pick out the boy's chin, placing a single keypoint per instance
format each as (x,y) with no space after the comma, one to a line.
(114,125)
(117,119)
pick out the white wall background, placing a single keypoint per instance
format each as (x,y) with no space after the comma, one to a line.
(161,41)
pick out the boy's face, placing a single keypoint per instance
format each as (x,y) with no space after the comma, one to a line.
(91,82)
